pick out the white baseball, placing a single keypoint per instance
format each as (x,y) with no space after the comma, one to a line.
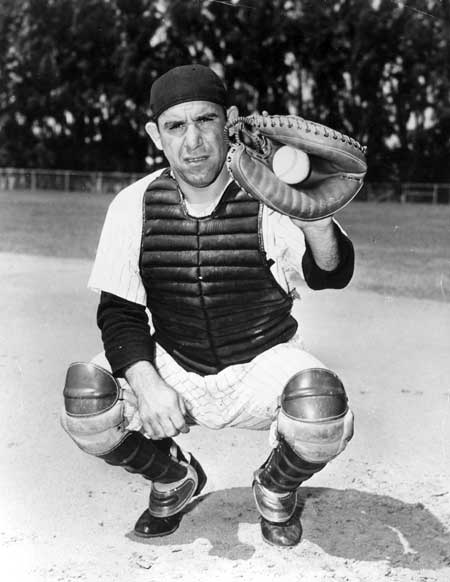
(290,165)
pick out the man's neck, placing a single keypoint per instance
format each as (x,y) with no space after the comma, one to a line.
(207,194)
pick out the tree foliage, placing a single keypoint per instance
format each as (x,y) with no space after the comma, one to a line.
(75,74)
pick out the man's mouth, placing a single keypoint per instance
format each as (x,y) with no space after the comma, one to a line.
(196,159)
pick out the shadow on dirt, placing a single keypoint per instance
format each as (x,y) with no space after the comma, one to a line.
(344,523)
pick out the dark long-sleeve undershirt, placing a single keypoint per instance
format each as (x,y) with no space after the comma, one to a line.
(125,332)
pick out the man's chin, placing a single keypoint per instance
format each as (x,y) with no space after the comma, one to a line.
(199,179)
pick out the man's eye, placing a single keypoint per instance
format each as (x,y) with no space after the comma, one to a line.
(206,120)
(176,127)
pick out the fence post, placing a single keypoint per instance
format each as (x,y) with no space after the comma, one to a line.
(403,193)
(66,180)
(33,181)
(99,183)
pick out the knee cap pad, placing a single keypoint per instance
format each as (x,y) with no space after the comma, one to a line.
(314,416)
(93,409)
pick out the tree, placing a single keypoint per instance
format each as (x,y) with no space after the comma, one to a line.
(72,98)
(75,74)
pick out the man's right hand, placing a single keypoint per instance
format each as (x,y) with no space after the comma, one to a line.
(161,408)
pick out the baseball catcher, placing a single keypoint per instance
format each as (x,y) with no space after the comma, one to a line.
(207,247)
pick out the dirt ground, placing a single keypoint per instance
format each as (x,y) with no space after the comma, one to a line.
(380,511)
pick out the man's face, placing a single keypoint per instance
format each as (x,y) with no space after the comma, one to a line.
(192,138)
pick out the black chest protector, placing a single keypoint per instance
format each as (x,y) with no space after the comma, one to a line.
(213,299)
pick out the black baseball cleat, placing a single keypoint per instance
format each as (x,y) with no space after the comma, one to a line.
(152,526)
(284,535)
(148,526)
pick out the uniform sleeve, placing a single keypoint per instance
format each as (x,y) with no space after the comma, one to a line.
(116,265)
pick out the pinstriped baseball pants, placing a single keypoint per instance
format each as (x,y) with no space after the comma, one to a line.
(241,396)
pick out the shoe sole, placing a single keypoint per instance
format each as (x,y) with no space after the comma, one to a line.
(273,545)
(161,534)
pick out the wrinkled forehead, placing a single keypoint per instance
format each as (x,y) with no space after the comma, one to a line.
(190,110)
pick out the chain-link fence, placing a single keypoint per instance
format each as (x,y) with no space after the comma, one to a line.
(64,180)
(425,192)
(112,182)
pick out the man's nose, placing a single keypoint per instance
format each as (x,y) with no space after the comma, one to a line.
(193,136)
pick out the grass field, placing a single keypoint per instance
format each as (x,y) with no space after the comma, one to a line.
(401,249)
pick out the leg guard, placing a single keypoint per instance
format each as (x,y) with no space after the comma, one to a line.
(285,471)
(138,454)
(94,418)
(314,426)
(93,414)
(314,417)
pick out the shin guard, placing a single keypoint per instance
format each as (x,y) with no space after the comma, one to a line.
(314,426)
(285,471)
(138,454)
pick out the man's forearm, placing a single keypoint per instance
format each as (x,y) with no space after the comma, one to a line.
(141,375)
(329,259)
(322,240)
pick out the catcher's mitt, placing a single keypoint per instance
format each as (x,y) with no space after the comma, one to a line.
(338,164)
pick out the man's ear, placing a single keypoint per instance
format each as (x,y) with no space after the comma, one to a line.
(232,114)
(152,129)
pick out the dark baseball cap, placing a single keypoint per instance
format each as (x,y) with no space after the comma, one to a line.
(186,83)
